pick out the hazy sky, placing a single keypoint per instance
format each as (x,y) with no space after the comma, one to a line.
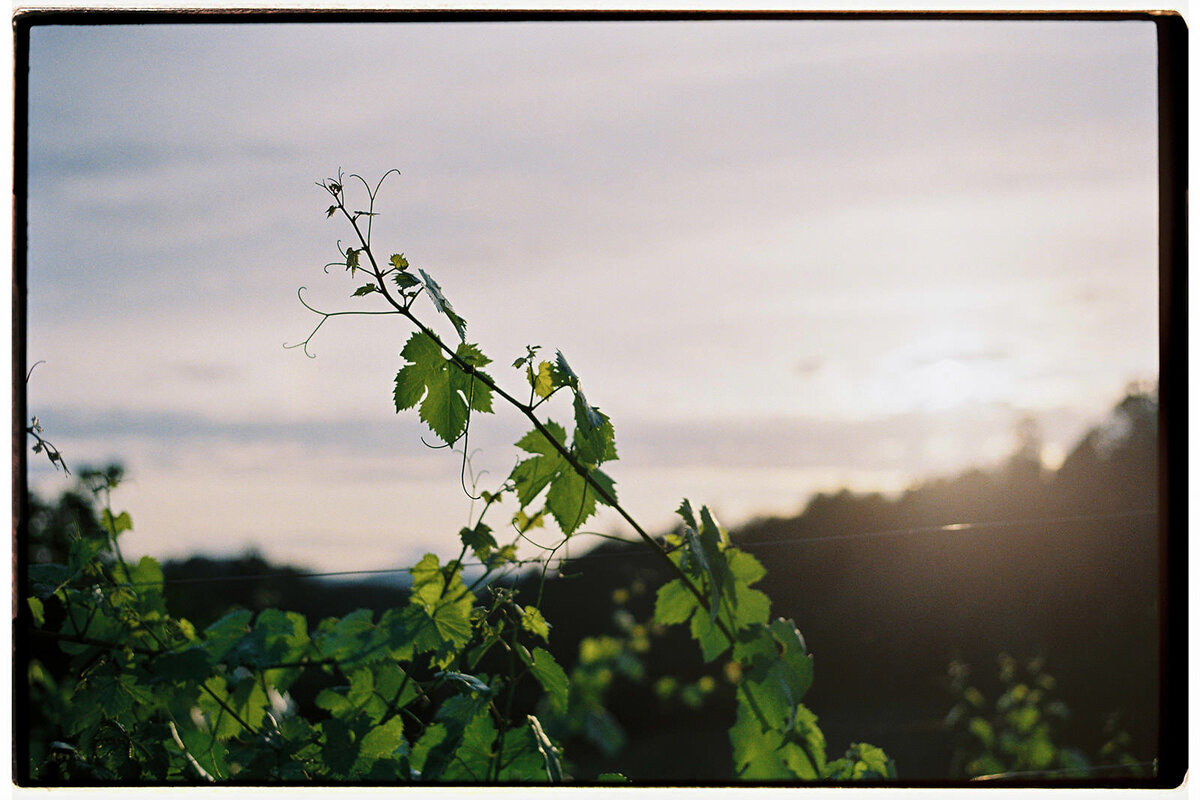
(784,256)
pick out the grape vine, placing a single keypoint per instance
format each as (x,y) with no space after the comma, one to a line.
(458,684)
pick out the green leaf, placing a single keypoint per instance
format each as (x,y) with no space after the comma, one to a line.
(116,525)
(45,579)
(709,636)
(611,777)
(191,666)
(82,551)
(340,751)
(533,622)
(433,736)
(473,757)
(532,475)
(562,373)
(571,501)
(448,606)
(209,753)
(329,212)
(685,513)
(552,677)
(354,639)
(674,603)
(862,762)
(447,390)
(594,437)
(443,305)
(405,280)
(542,381)
(352,260)
(382,742)
(220,637)
(399,261)
(366,288)
(778,671)
(469,681)
(454,715)
(37,609)
(479,539)
(706,557)
(756,751)
(591,414)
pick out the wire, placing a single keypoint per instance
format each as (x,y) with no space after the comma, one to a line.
(955,527)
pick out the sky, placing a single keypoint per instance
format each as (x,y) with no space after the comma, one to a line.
(783,256)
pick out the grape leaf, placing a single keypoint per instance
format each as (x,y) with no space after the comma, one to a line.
(674,603)
(685,512)
(534,474)
(533,622)
(382,741)
(469,681)
(861,762)
(38,609)
(571,500)
(444,390)
(551,676)
(473,757)
(611,777)
(399,261)
(365,289)
(352,260)
(448,606)
(590,413)
(405,280)
(756,751)
(221,636)
(443,305)
(44,579)
(777,672)
(479,539)
(594,437)
(562,373)
(116,525)
(340,750)
(542,381)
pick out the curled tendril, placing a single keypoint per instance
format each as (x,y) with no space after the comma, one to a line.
(465,437)
(31,369)
(521,534)
(462,477)
(325,315)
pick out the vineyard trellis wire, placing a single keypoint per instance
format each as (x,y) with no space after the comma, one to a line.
(954,527)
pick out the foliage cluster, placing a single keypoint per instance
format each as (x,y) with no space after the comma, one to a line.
(457,684)
(1020,731)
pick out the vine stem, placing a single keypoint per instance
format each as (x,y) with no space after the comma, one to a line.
(527,411)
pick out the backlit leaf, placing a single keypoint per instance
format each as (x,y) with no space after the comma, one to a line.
(552,677)
(441,385)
